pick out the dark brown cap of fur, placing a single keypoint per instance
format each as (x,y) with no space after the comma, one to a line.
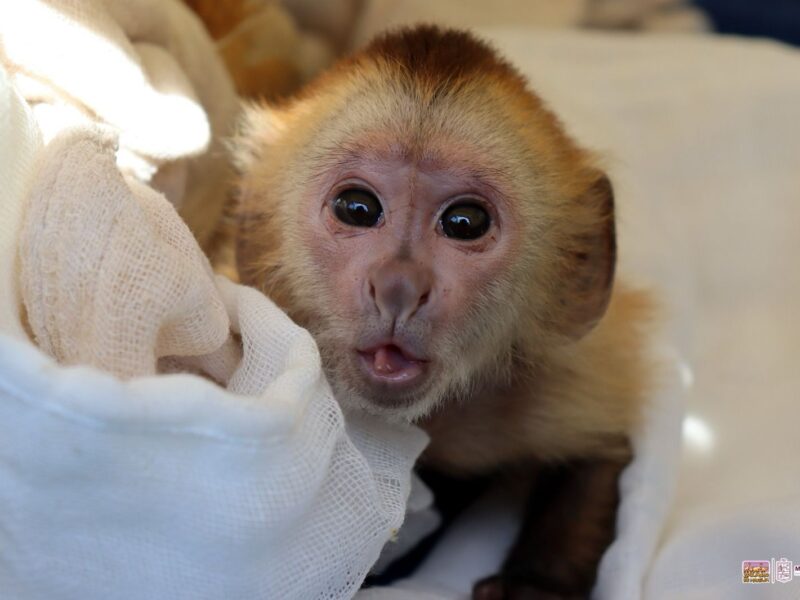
(432,53)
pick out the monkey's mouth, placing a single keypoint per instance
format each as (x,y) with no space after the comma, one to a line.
(391,364)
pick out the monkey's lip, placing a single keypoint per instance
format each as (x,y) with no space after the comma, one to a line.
(390,363)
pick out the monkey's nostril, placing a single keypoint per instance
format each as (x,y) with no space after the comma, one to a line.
(423,299)
(371,291)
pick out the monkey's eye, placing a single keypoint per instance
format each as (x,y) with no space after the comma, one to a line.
(465,221)
(356,207)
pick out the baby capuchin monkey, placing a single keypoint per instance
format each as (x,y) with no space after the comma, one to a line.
(452,250)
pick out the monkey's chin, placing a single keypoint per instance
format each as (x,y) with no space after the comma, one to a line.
(400,411)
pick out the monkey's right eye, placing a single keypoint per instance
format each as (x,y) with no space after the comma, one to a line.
(465,221)
(358,208)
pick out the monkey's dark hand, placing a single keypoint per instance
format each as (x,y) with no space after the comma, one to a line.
(569,523)
(499,587)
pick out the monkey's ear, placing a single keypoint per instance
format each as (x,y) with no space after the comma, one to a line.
(257,128)
(591,259)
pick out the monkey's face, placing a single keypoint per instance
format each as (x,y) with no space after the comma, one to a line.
(426,218)
(412,257)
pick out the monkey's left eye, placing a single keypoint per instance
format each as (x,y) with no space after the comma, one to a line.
(359,208)
(465,221)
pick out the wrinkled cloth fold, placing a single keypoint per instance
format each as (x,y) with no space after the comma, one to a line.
(180,441)
(111,276)
(145,68)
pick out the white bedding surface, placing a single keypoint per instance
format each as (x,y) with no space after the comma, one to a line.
(701,136)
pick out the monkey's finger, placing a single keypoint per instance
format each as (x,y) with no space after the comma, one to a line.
(498,588)
(491,588)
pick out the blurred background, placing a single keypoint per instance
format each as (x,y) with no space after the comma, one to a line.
(779,19)
(283,43)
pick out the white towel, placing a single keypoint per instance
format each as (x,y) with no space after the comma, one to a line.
(20,144)
(164,486)
(147,69)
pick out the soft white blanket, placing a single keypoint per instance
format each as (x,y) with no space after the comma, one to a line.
(117,483)
(170,486)
(145,68)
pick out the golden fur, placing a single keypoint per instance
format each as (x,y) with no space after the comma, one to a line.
(579,403)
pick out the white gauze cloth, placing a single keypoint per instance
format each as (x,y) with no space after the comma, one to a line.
(145,485)
(20,144)
(147,69)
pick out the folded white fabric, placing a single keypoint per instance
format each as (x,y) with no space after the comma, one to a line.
(172,488)
(147,69)
(166,486)
(20,144)
(111,276)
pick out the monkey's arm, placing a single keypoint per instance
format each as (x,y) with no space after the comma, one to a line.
(569,522)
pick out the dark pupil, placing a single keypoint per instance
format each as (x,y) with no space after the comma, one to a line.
(358,208)
(465,221)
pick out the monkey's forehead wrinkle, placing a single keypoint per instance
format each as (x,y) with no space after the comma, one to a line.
(464,163)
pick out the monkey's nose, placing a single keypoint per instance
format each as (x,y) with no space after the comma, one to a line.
(399,289)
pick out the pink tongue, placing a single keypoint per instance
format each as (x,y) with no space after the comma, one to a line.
(389,359)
